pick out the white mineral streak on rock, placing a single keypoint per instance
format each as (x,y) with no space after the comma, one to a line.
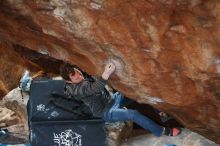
(95,6)
(75,20)
(217,62)
(150,99)
(152,31)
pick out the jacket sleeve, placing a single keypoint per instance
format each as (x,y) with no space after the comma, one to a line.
(87,88)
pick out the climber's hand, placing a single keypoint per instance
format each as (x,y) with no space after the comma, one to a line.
(109,69)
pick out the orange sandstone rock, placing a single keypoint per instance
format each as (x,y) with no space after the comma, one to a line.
(166,52)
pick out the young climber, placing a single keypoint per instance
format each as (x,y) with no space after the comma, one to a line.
(94,94)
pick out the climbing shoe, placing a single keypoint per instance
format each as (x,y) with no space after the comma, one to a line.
(172,131)
(3,133)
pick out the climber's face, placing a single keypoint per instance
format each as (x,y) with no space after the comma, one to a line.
(76,77)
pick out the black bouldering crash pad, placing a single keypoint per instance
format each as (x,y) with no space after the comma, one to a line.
(52,126)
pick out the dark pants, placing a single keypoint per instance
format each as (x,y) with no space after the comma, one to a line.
(115,113)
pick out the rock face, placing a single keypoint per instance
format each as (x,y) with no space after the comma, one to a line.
(13,115)
(166,51)
(12,66)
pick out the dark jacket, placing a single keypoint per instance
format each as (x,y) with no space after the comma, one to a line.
(92,93)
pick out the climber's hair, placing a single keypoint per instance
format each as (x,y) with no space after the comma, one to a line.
(66,69)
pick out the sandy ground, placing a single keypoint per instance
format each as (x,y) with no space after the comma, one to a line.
(186,138)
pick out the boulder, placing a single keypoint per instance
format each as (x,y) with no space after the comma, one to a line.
(166,51)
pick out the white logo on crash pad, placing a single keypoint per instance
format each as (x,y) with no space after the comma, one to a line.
(67,138)
(41,107)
